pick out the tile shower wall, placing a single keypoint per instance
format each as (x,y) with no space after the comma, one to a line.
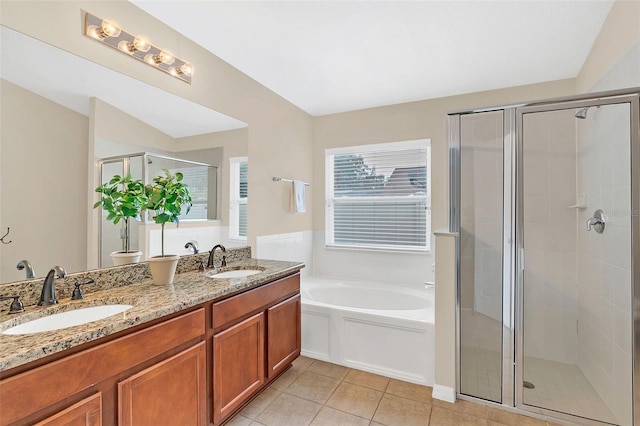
(293,246)
(604,262)
(550,288)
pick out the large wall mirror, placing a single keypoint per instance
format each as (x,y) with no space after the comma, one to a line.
(59,116)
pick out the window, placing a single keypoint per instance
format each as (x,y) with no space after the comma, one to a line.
(238,195)
(202,186)
(379,196)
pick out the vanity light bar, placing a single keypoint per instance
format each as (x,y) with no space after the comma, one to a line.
(109,33)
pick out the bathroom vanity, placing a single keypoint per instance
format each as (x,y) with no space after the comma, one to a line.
(223,342)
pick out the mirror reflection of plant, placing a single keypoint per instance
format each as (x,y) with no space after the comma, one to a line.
(166,196)
(122,198)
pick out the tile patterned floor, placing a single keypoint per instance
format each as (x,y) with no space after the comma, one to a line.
(318,393)
(480,372)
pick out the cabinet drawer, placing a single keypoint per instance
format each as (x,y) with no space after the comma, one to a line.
(229,311)
(68,376)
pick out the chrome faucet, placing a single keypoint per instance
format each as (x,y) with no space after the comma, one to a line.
(210,262)
(193,244)
(25,264)
(48,295)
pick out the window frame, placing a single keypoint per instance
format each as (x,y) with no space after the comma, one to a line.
(331,200)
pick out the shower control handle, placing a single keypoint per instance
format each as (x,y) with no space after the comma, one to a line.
(597,221)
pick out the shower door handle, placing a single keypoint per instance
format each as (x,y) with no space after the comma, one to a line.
(597,221)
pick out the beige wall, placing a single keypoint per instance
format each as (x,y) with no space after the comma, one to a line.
(42,142)
(619,34)
(279,134)
(115,126)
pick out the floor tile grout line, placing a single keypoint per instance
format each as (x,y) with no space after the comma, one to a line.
(280,392)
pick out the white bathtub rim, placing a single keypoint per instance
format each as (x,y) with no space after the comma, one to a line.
(421,315)
(324,279)
(425,315)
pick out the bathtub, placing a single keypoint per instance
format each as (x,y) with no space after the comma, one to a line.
(379,328)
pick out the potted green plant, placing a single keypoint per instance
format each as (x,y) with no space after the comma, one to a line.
(123,198)
(166,196)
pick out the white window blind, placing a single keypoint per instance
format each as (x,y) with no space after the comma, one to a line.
(239,195)
(378,196)
(198,178)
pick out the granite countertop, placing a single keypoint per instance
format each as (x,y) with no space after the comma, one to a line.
(149,302)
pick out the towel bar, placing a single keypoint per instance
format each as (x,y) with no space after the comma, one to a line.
(279,179)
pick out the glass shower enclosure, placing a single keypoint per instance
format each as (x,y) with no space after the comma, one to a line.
(201,178)
(544,197)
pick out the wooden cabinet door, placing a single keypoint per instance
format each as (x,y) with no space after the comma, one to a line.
(87,412)
(238,365)
(283,335)
(171,392)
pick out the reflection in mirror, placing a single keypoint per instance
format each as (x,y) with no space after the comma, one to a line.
(56,122)
(201,178)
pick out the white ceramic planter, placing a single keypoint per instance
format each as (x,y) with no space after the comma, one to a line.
(125,258)
(163,269)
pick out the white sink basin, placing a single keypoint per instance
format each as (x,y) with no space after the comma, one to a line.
(237,273)
(67,319)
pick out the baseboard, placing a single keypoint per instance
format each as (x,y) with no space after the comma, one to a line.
(444,393)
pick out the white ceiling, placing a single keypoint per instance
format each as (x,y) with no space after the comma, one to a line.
(333,56)
(70,81)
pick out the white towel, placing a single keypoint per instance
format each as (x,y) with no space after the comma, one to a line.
(298,199)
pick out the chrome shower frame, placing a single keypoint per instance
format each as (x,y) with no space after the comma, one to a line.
(512,282)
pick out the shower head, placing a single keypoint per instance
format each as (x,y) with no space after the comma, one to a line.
(582,113)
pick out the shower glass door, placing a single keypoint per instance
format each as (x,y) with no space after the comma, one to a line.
(481,201)
(575,260)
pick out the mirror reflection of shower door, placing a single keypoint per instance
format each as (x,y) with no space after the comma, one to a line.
(576,353)
(480,262)
(112,236)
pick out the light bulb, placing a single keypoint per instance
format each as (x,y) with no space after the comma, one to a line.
(92,31)
(141,44)
(150,59)
(166,57)
(125,46)
(109,28)
(186,69)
